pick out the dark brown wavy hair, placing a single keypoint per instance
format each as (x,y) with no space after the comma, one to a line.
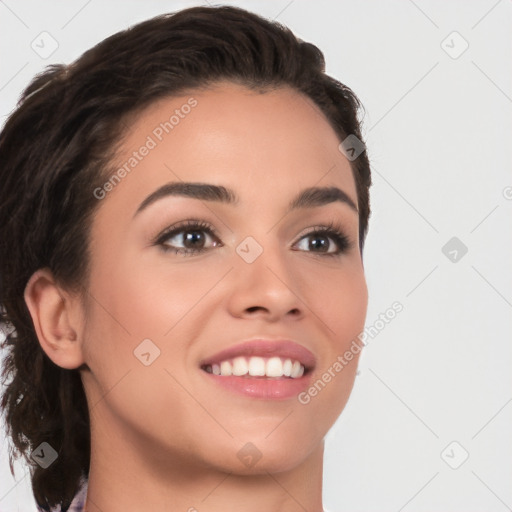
(56,148)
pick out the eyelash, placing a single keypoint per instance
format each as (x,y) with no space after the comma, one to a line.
(333,230)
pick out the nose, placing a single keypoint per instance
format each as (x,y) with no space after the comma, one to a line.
(266,287)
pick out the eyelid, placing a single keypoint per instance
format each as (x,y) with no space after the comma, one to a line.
(197,224)
(333,229)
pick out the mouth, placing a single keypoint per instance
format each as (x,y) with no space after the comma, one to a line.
(274,367)
(259,368)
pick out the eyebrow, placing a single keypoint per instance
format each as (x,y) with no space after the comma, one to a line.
(308,198)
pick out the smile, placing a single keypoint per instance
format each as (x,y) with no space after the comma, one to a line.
(261,368)
(258,367)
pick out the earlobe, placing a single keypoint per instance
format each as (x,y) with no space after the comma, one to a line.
(56,323)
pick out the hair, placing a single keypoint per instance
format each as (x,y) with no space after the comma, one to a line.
(56,148)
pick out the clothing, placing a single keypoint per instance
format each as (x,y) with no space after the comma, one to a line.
(77,505)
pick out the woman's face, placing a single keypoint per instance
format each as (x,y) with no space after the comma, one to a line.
(158,321)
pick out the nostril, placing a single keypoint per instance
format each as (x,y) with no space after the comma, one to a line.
(254,308)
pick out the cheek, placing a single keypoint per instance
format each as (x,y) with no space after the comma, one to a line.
(340,300)
(134,301)
(147,296)
(341,306)
(133,305)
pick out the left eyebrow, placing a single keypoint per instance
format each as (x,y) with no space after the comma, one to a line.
(311,197)
(320,196)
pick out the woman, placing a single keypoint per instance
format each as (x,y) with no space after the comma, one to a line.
(183,215)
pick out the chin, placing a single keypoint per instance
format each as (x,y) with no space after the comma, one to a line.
(262,454)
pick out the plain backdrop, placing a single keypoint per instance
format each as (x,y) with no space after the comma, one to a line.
(427,427)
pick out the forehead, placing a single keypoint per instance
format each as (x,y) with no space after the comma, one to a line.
(273,143)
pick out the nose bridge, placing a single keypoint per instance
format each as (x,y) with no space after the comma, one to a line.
(257,254)
(264,276)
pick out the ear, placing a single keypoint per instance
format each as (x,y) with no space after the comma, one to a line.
(57,318)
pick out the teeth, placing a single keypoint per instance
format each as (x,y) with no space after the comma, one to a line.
(287,368)
(258,367)
(240,366)
(297,370)
(225,369)
(274,367)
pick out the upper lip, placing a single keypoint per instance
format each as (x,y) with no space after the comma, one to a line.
(264,347)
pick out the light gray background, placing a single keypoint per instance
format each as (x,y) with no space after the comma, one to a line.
(439,131)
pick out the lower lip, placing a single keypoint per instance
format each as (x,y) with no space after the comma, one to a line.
(266,388)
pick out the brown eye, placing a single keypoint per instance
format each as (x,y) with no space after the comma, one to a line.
(323,238)
(190,238)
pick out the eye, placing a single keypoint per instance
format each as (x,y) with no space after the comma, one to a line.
(190,234)
(321,238)
(191,237)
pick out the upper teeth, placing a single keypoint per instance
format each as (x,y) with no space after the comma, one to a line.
(258,367)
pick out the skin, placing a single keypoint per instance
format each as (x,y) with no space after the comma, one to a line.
(163,436)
